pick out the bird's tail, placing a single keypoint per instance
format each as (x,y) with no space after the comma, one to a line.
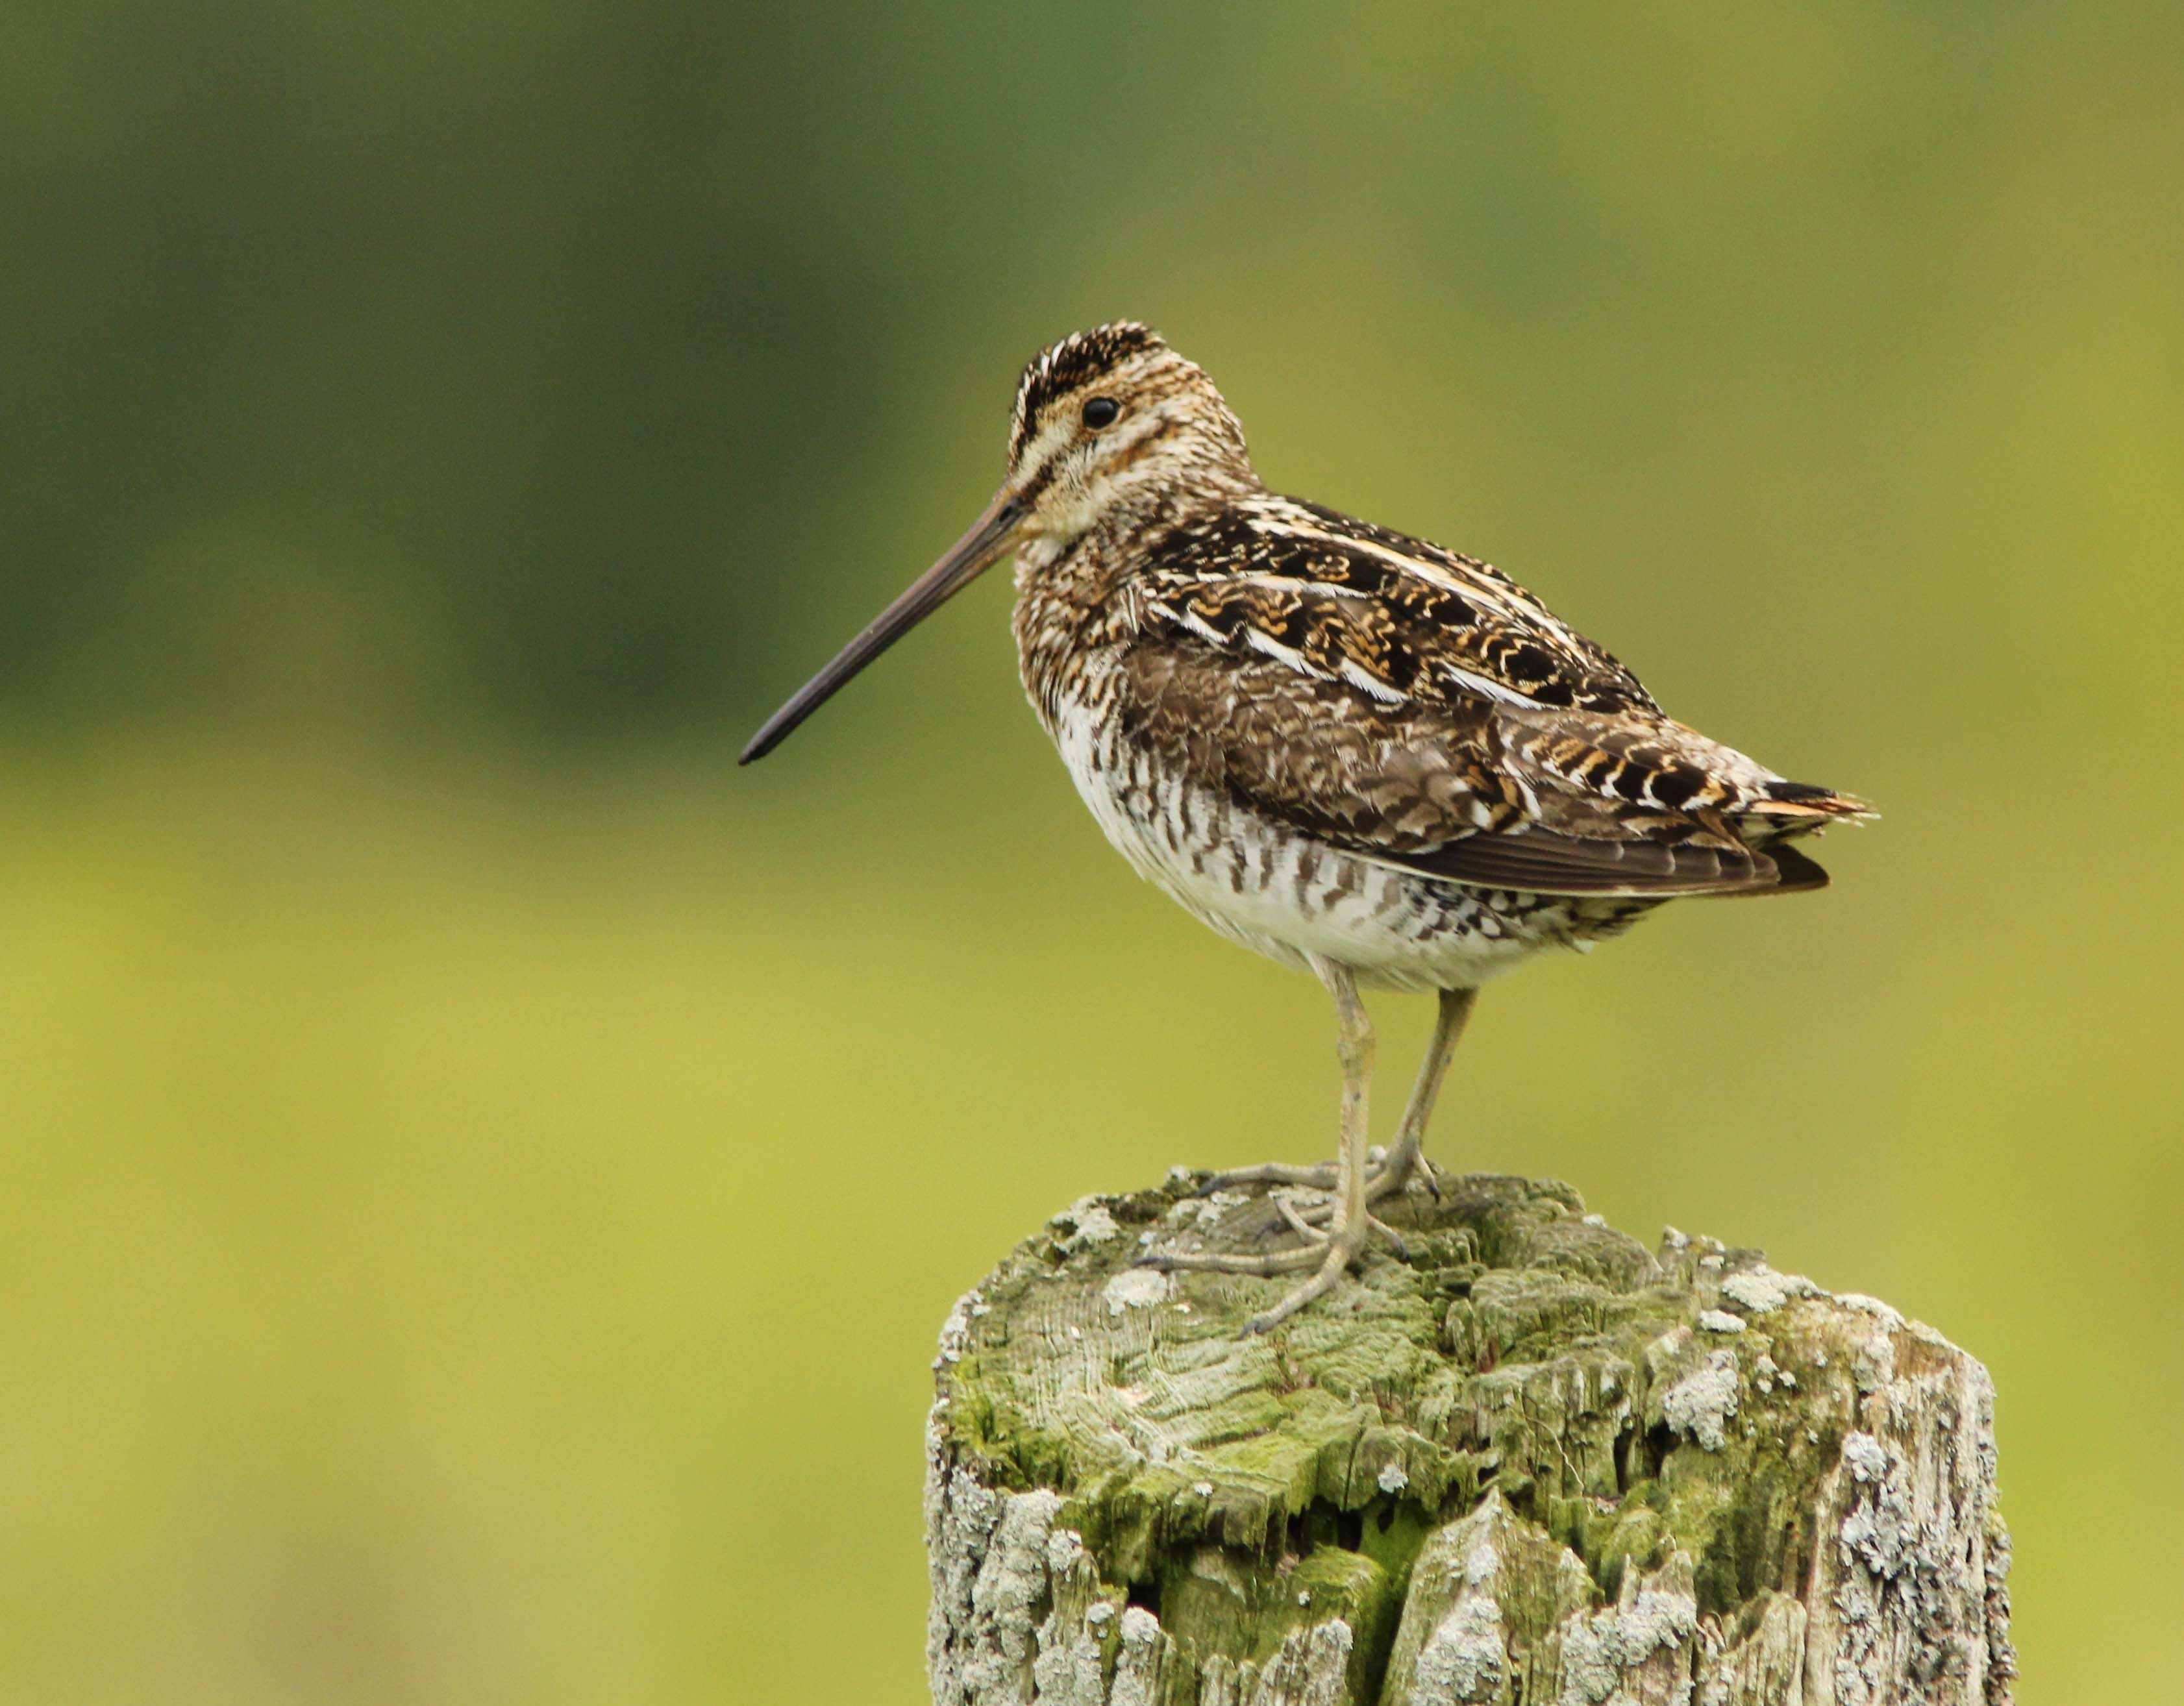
(1785,809)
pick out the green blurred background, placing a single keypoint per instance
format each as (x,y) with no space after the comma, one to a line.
(482,1176)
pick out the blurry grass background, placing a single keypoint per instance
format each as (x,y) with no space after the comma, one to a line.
(479,1177)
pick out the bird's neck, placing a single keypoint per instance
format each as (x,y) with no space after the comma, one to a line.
(1072,594)
(1064,601)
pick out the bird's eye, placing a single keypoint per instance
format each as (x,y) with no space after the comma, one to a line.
(1102,411)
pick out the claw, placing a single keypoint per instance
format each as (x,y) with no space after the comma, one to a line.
(1388,1232)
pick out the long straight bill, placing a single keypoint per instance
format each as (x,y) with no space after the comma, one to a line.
(990,536)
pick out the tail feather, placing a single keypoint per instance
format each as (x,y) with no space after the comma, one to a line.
(1795,808)
(1805,799)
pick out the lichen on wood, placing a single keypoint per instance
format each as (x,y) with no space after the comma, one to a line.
(1525,1461)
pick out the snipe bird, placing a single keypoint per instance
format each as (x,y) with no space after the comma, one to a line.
(1362,755)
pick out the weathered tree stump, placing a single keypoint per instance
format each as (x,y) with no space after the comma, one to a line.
(1528,1462)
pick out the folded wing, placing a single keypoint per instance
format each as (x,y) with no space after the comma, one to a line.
(1301,716)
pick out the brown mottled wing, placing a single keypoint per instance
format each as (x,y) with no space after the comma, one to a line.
(1400,617)
(1420,708)
(1320,754)
(1464,788)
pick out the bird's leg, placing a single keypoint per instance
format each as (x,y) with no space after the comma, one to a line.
(1353,1222)
(1395,1170)
(1336,1249)
(1408,1152)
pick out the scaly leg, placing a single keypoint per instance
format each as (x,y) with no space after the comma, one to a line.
(1346,1239)
(1408,1152)
(1394,1172)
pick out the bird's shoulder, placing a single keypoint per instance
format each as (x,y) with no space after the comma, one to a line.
(1401,619)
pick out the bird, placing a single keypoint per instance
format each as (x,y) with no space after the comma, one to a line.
(1357,753)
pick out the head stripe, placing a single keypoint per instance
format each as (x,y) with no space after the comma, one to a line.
(1076,360)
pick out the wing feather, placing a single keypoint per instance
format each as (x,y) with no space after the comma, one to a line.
(1546,861)
(1419,709)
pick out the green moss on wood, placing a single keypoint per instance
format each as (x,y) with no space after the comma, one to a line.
(1607,1422)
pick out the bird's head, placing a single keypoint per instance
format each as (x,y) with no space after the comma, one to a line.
(1113,422)
(1109,423)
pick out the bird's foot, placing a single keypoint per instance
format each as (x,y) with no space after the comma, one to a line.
(1342,1247)
(1390,1176)
(1327,1257)
(1320,1178)
(1312,1220)
(1392,1171)
(1213,1261)
(1332,1243)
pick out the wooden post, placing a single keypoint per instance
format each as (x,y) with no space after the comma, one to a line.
(1526,1463)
